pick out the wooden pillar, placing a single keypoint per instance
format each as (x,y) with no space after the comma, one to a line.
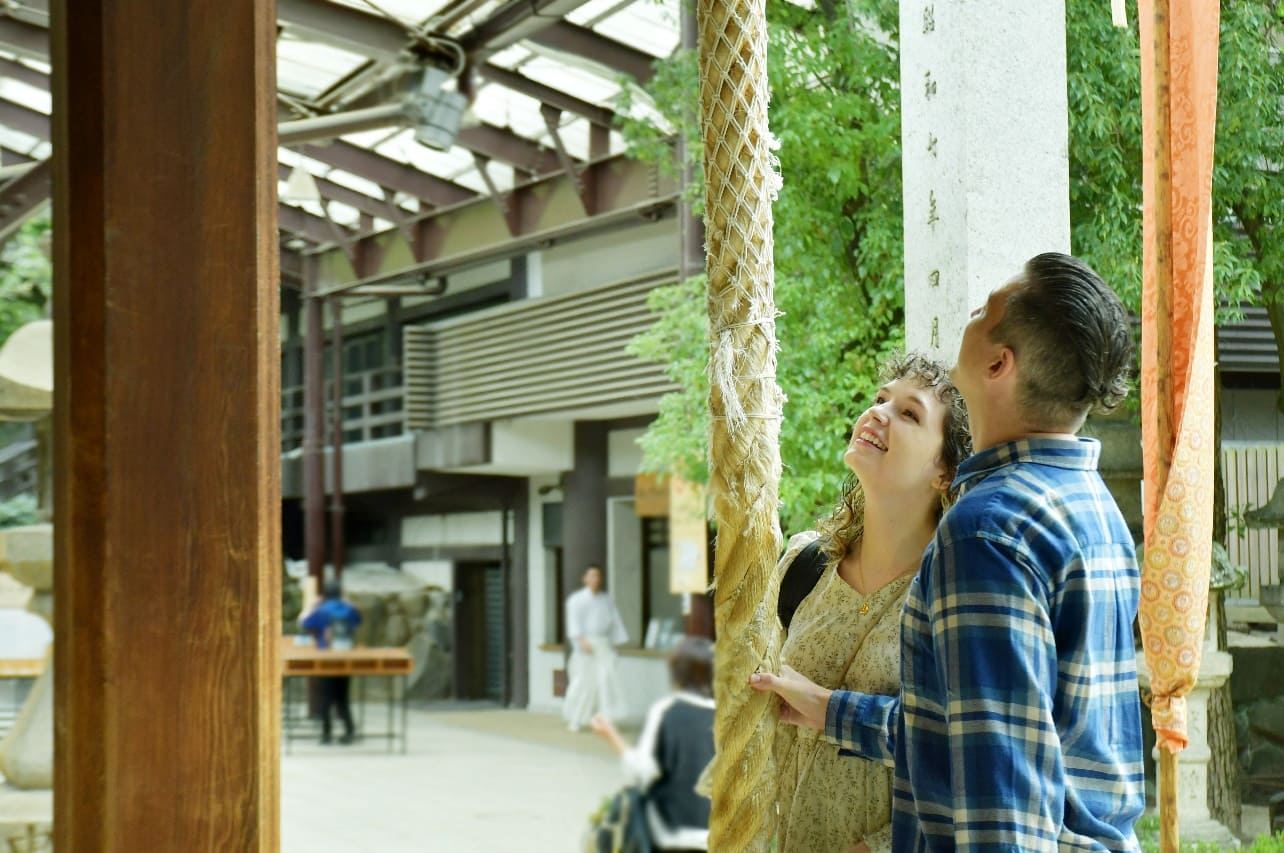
(167,497)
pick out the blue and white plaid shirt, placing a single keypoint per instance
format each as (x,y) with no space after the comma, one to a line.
(1019,725)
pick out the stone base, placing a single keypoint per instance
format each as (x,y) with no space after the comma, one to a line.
(25,817)
(1207,831)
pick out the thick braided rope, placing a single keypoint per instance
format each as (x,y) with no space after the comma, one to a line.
(745,404)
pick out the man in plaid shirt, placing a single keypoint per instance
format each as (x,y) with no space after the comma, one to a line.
(1018,725)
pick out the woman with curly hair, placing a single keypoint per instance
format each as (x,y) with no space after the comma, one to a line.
(845,632)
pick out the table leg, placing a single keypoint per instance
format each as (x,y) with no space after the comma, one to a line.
(405,713)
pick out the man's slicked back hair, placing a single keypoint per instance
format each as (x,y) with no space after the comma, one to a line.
(1071,338)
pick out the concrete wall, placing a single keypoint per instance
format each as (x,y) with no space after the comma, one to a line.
(1249,416)
(614,256)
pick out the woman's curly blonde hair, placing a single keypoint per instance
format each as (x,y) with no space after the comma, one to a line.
(845,524)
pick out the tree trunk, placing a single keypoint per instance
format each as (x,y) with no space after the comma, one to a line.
(1275,312)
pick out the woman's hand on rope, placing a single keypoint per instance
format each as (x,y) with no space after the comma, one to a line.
(804,702)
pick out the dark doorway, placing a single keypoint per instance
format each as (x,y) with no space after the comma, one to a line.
(479,631)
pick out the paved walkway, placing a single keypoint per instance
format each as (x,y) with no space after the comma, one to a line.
(474,779)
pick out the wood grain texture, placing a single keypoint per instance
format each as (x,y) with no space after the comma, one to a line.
(167,506)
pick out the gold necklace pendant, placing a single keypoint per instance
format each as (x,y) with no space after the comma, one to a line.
(864,608)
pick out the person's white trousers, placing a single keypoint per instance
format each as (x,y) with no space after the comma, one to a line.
(592,684)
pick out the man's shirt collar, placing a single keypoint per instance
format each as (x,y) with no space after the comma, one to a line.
(1076,454)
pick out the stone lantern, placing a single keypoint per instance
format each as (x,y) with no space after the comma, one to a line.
(26,753)
(1266,517)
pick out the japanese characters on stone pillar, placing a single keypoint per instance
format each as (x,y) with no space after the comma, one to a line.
(984,154)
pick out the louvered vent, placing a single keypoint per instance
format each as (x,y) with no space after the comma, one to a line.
(537,356)
(1248,345)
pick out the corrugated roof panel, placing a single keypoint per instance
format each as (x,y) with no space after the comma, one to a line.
(511,56)
(309,68)
(354,182)
(595,10)
(597,86)
(478,15)
(404,11)
(502,107)
(652,27)
(343,214)
(293,159)
(402,146)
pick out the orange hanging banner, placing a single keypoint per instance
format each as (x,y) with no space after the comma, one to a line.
(1179,109)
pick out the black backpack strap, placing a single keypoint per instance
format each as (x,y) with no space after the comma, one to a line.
(799,580)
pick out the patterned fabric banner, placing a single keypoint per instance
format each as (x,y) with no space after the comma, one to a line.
(1177,226)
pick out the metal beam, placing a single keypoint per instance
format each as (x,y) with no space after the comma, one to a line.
(24,119)
(337,192)
(389,173)
(512,22)
(506,247)
(547,94)
(552,116)
(618,203)
(319,128)
(26,40)
(585,43)
(315,20)
(296,220)
(503,145)
(22,195)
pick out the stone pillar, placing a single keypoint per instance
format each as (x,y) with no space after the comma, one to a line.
(984,135)
(584,507)
(1197,823)
(167,429)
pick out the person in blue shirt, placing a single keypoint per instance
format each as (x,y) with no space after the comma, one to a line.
(1018,726)
(334,623)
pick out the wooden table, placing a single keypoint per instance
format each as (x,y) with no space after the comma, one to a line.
(307,661)
(13,670)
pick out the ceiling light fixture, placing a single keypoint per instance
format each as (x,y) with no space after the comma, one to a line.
(435,110)
(301,187)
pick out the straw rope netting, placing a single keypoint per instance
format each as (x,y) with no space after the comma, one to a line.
(745,406)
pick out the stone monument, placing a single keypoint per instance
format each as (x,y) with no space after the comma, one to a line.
(985,161)
(985,155)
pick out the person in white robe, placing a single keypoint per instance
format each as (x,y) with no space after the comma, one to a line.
(593,630)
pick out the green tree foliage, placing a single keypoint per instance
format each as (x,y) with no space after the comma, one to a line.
(838,247)
(18,510)
(1105,151)
(837,244)
(26,277)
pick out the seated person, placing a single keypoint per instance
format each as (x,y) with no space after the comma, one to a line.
(675,746)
